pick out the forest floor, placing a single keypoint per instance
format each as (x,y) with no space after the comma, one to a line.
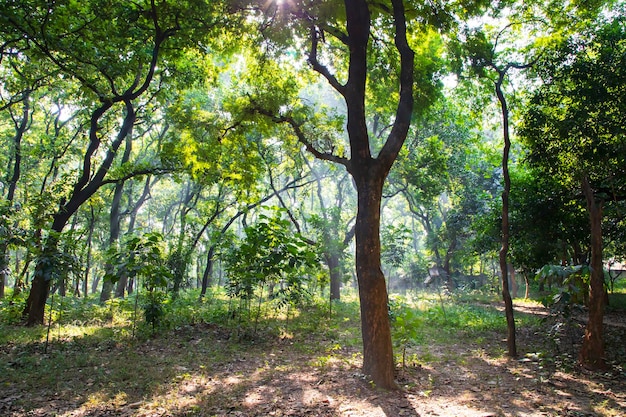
(201,370)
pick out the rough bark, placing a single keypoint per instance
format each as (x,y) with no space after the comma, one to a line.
(378,360)
(592,351)
(369,175)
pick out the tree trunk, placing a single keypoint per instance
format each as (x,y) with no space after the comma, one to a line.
(592,351)
(504,250)
(513,281)
(447,264)
(115,219)
(5,261)
(42,280)
(378,361)
(123,284)
(208,271)
(334,267)
(20,129)
(92,223)
(4,269)
(114,234)
(527,292)
(84,188)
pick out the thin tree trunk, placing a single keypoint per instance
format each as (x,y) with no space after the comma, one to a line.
(20,128)
(208,271)
(504,250)
(122,284)
(527,293)
(115,219)
(209,265)
(4,269)
(512,278)
(92,223)
(334,267)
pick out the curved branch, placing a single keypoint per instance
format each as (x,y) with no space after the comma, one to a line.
(318,67)
(404,110)
(297,129)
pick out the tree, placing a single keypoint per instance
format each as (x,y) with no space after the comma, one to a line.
(350,29)
(489,60)
(574,129)
(270,255)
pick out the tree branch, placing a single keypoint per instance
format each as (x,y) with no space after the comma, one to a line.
(404,110)
(297,129)
(138,173)
(318,67)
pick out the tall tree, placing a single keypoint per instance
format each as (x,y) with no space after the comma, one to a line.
(347,32)
(328,224)
(493,60)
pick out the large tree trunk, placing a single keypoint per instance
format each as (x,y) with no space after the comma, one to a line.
(369,173)
(34,310)
(378,359)
(592,351)
(36,301)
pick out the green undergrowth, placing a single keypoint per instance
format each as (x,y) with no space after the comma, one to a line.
(108,354)
(417,319)
(88,337)
(96,355)
(430,322)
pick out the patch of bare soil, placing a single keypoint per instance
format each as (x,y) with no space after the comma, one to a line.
(468,378)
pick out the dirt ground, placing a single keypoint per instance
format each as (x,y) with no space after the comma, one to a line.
(458,379)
